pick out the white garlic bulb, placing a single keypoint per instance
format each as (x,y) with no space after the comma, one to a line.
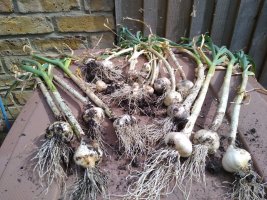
(148,89)
(125,120)
(177,111)
(172,97)
(87,156)
(161,85)
(101,86)
(95,113)
(207,138)
(107,64)
(236,159)
(180,142)
(61,130)
(184,86)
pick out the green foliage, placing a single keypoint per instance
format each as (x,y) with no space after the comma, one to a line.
(246,62)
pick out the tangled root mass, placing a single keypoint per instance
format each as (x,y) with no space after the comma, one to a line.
(92,184)
(160,171)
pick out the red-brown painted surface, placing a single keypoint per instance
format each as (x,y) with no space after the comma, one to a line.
(16,176)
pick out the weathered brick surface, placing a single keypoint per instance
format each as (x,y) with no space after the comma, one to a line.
(6,6)
(29,24)
(12,112)
(24,25)
(12,61)
(7,81)
(2,71)
(8,100)
(99,5)
(26,6)
(16,97)
(21,97)
(48,44)
(107,40)
(13,46)
(85,23)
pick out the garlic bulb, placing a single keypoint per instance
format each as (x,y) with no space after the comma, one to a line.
(135,90)
(236,159)
(89,60)
(101,86)
(107,63)
(125,120)
(180,142)
(148,89)
(184,86)
(161,85)
(95,113)
(147,67)
(208,138)
(60,130)
(177,111)
(87,155)
(172,97)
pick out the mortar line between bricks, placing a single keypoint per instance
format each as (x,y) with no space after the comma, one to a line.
(51,35)
(59,14)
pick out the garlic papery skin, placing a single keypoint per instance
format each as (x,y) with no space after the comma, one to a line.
(87,156)
(89,60)
(236,160)
(125,120)
(208,138)
(172,97)
(95,113)
(184,86)
(61,130)
(148,89)
(107,63)
(161,85)
(177,111)
(135,89)
(101,86)
(180,142)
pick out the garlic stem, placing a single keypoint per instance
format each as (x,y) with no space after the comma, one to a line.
(201,97)
(134,58)
(49,99)
(63,106)
(79,82)
(68,113)
(167,65)
(71,90)
(191,97)
(154,69)
(237,106)
(91,95)
(174,59)
(225,88)
(119,53)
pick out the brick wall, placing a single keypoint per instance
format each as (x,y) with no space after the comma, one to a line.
(44,24)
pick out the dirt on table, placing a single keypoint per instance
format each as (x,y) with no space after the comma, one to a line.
(17,180)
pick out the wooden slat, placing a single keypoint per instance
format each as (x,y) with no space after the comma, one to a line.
(244,24)
(178,19)
(220,20)
(263,75)
(118,12)
(162,5)
(202,15)
(230,25)
(258,48)
(151,15)
(132,9)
